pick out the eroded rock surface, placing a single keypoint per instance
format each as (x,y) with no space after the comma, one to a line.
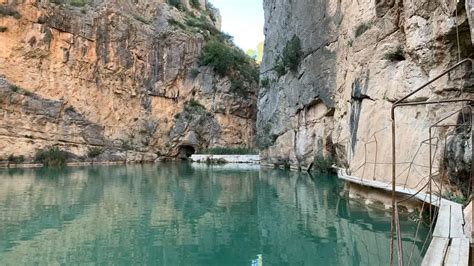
(358,58)
(114,74)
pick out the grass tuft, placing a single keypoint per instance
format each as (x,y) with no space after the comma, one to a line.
(52,156)
(94,152)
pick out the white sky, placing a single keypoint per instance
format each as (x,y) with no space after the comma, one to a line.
(242,19)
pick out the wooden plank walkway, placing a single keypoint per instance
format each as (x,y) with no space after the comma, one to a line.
(436,251)
(450,245)
(458,253)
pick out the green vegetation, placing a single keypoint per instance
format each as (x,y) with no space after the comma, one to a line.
(193,104)
(195,4)
(15,88)
(3,29)
(290,58)
(94,152)
(76,3)
(211,11)
(176,23)
(256,54)
(227,60)
(9,11)
(396,55)
(177,4)
(20,90)
(323,164)
(15,159)
(280,69)
(52,156)
(230,151)
(292,53)
(457,198)
(219,53)
(363,27)
(265,83)
(126,146)
(202,23)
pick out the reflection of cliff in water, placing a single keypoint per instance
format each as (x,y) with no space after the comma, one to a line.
(177,214)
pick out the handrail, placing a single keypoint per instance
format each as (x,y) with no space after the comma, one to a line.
(436,78)
(392,115)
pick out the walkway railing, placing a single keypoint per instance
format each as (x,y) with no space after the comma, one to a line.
(402,103)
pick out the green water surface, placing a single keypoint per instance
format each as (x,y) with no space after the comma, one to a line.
(183,214)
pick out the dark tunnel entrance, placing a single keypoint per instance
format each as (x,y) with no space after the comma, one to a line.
(185,151)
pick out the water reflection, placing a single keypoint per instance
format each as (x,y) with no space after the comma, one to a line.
(179,214)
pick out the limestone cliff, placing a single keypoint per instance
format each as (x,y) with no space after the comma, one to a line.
(357,58)
(120,75)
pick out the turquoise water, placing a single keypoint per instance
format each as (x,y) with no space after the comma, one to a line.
(181,214)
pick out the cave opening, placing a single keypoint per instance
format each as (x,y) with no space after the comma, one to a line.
(185,151)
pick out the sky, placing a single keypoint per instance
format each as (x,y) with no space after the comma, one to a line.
(242,19)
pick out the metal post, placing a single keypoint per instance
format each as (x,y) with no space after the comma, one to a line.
(430,175)
(392,224)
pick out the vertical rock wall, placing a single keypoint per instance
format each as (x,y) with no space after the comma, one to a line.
(359,57)
(129,67)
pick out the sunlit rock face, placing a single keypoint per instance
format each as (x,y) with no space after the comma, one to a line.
(128,68)
(358,58)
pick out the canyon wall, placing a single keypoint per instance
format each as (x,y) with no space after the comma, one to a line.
(357,59)
(123,76)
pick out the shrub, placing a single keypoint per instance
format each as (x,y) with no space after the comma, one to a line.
(230,151)
(177,4)
(126,146)
(363,27)
(176,23)
(280,69)
(8,11)
(237,86)
(3,29)
(202,23)
(15,88)
(221,57)
(456,198)
(78,3)
(395,56)
(193,104)
(323,164)
(292,54)
(195,3)
(265,83)
(94,152)
(15,159)
(290,58)
(230,61)
(52,156)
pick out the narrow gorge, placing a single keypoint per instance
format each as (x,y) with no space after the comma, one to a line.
(236,132)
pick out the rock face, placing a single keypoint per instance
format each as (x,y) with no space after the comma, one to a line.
(115,74)
(357,59)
